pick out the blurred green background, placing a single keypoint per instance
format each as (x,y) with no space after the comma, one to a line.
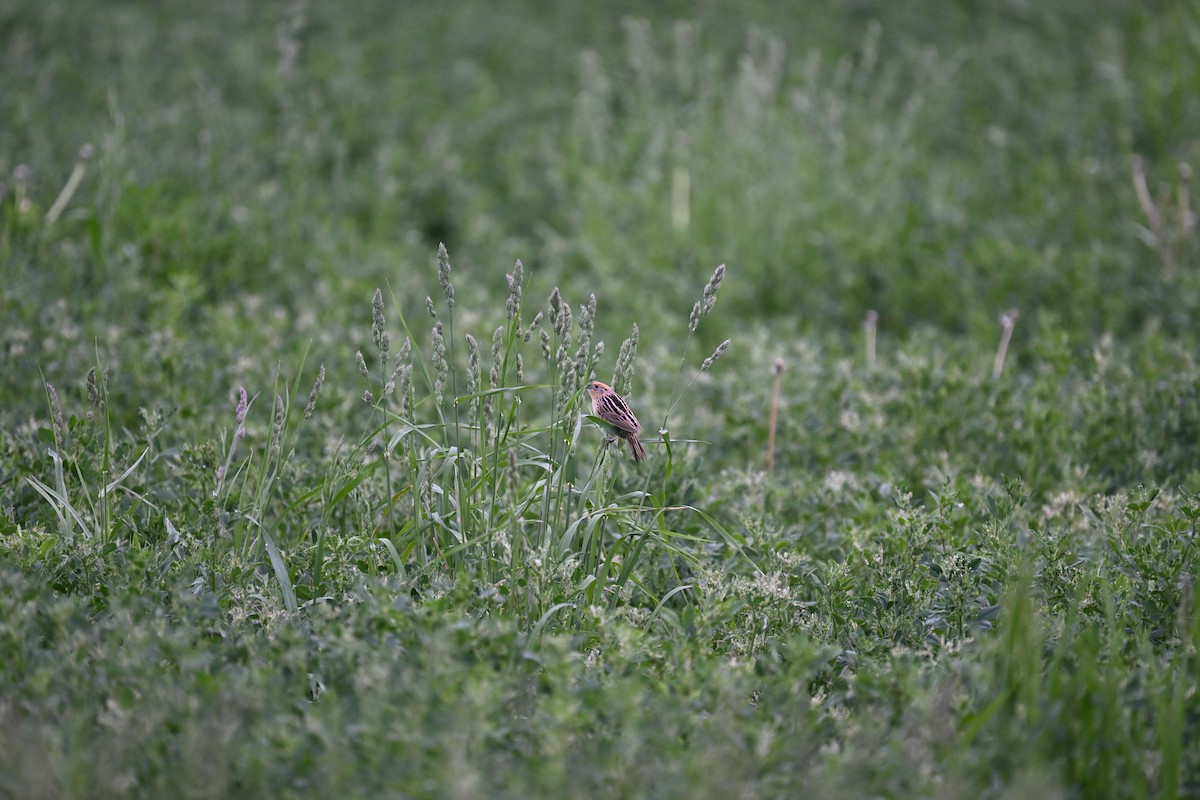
(937,162)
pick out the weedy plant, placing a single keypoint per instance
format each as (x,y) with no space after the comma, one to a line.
(474,466)
(91,497)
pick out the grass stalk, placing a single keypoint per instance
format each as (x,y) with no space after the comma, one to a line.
(1008,322)
(773,416)
(68,191)
(871,327)
(1153,216)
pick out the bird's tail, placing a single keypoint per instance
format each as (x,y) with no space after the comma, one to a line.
(636,449)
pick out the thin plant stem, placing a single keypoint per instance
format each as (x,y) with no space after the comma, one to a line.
(871,326)
(774,415)
(1150,209)
(1009,320)
(1187,222)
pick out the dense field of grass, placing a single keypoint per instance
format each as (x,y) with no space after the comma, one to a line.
(300,495)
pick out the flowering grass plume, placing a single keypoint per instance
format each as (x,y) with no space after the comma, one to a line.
(379,326)
(700,309)
(311,405)
(708,362)
(623,369)
(473,376)
(239,416)
(516,291)
(708,299)
(443,259)
(440,366)
(56,417)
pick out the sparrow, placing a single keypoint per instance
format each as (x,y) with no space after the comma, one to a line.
(609,407)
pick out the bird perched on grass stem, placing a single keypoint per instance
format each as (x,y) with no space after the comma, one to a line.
(609,407)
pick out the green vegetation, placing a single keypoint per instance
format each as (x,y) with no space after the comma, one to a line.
(297,502)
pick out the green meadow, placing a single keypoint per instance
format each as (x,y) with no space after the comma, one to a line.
(300,490)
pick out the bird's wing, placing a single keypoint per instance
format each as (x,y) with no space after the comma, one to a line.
(612,409)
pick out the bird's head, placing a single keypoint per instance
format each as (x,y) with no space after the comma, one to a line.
(596,388)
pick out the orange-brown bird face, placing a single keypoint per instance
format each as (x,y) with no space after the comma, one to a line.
(596,388)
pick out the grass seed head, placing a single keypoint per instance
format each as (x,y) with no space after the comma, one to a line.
(441,368)
(711,288)
(405,387)
(277,422)
(497,344)
(56,416)
(311,405)
(537,320)
(623,369)
(472,364)
(444,275)
(515,290)
(243,405)
(378,325)
(708,362)
(93,392)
